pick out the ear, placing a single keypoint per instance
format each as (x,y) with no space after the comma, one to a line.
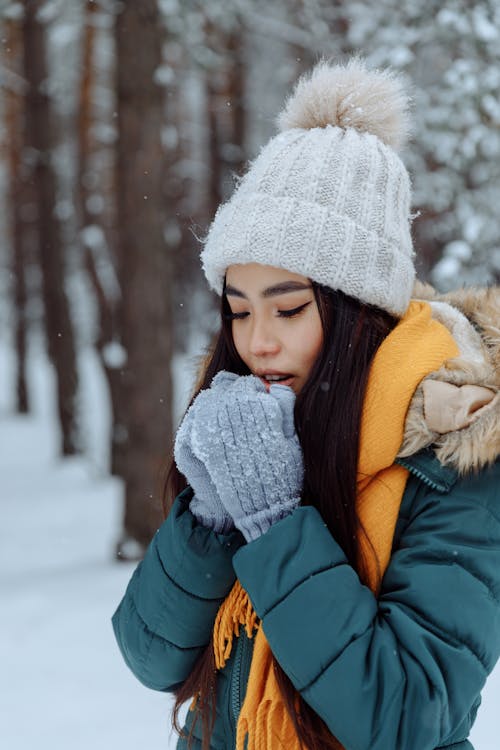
(449,407)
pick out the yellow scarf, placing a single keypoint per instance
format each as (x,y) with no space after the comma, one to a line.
(417,346)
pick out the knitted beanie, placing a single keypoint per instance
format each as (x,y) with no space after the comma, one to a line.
(328,197)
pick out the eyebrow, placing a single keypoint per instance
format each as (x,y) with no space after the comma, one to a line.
(272,291)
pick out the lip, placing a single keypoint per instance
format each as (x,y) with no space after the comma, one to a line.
(261,373)
(287,382)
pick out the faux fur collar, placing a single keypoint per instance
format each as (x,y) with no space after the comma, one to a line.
(473,318)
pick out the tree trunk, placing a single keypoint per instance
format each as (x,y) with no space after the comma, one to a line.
(185,191)
(226,114)
(96,236)
(14,125)
(39,139)
(144,267)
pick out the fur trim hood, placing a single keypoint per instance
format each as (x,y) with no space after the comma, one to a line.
(456,409)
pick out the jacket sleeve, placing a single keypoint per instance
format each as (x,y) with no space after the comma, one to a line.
(402,671)
(166,616)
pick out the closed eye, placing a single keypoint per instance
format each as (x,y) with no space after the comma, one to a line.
(281,313)
(292,313)
(235,316)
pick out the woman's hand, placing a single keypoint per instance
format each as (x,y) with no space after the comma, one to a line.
(205,504)
(246,440)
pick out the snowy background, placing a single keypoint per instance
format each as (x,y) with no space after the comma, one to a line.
(63,683)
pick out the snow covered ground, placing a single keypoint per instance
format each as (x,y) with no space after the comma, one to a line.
(63,685)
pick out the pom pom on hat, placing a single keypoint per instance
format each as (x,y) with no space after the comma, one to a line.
(350,96)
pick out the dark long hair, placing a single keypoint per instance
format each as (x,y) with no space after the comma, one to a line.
(328,419)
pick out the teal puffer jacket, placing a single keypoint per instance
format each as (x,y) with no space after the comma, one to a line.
(403,671)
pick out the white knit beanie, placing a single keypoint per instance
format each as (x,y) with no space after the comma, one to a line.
(328,197)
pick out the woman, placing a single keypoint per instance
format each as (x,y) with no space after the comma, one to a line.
(329,572)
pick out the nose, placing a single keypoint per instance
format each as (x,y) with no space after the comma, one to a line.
(262,339)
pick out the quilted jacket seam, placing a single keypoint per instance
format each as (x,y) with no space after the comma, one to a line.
(334,659)
(487,585)
(297,585)
(446,637)
(438,630)
(181,588)
(159,637)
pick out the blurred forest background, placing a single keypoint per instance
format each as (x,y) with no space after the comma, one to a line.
(122,127)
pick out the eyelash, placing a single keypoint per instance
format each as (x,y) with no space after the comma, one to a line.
(281,313)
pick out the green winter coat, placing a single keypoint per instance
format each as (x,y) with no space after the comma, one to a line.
(403,671)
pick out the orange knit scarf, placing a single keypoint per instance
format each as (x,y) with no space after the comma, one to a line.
(417,346)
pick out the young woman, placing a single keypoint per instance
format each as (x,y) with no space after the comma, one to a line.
(328,574)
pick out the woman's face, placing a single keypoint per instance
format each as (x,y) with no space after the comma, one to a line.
(276,325)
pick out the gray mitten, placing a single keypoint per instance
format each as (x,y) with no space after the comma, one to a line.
(205,504)
(246,439)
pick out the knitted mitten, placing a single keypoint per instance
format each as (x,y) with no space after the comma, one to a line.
(246,439)
(205,504)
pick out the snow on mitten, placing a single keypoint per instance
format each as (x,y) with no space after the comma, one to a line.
(246,439)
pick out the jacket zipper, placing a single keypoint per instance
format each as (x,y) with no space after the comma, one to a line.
(429,482)
(241,659)
(423,477)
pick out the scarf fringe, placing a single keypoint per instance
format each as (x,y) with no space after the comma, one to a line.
(271,727)
(236,610)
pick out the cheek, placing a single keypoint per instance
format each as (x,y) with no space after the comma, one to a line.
(312,341)
(240,343)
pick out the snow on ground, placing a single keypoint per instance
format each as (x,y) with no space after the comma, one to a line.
(63,683)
